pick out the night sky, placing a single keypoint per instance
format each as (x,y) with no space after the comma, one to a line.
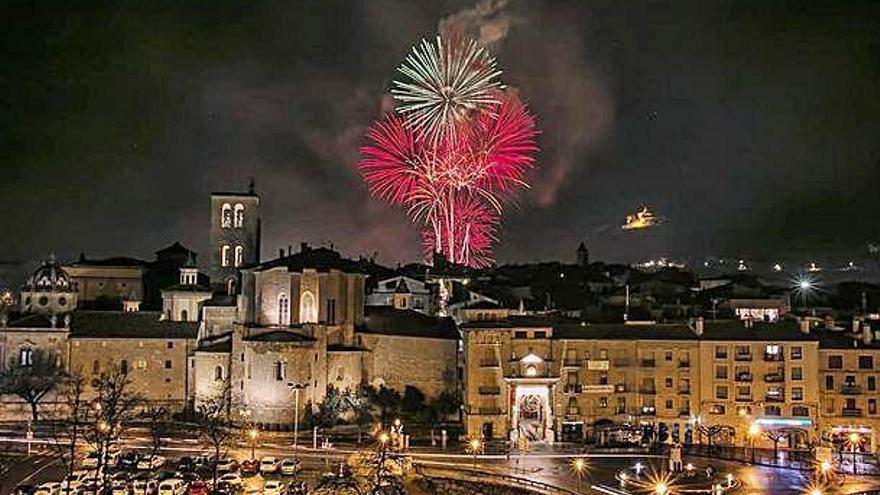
(752,128)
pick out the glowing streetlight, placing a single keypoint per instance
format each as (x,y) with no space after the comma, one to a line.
(638,467)
(824,467)
(754,431)
(661,488)
(816,491)
(475,445)
(579,465)
(383,437)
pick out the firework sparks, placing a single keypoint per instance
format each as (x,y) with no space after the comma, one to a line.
(446,82)
(458,148)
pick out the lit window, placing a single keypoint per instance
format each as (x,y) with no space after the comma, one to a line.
(308,309)
(218,374)
(239,255)
(26,357)
(226,216)
(239,215)
(224,256)
(283,309)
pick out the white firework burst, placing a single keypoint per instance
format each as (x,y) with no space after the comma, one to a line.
(447,81)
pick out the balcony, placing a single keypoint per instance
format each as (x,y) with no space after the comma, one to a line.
(598,364)
(743,377)
(852,412)
(684,364)
(742,356)
(573,388)
(743,398)
(488,363)
(648,363)
(647,390)
(772,357)
(489,390)
(774,398)
(684,413)
(850,390)
(684,390)
(489,411)
(774,377)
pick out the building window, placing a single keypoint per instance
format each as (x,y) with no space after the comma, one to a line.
(668,403)
(668,382)
(331,311)
(283,309)
(26,357)
(872,406)
(280,371)
(239,215)
(835,362)
(797,352)
(717,409)
(721,392)
(239,255)
(866,362)
(184,315)
(772,411)
(308,310)
(224,256)
(800,411)
(797,393)
(167,364)
(96,366)
(721,372)
(141,364)
(872,383)
(520,334)
(668,355)
(170,344)
(797,373)
(226,216)
(720,352)
(540,334)
(603,378)
(829,382)
(603,402)
(230,287)
(218,373)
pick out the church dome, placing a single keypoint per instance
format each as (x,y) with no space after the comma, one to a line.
(49,277)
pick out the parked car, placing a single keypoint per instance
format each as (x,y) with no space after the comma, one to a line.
(48,488)
(227,465)
(290,466)
(172,486)
(232,478)
(144,486)
(185,464)
(90,461)
(151,463)
(223,488)
(120,476)
(24,489)
(73,480)
(273,487)
(129,460)
(297,488)
(120,489)
(268,465)
(249,467)
(197,488)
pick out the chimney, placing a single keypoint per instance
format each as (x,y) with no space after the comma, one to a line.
(805,326)
(280,252)
(867,334)
(289,250)
(303,247)
(698,326)
(855,325)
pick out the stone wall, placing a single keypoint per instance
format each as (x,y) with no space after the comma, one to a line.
(396,361)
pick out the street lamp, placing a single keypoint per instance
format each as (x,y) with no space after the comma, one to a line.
(253,436)
(296,387)
(579,465)
(754,431)
(475,445)
(661,488)
(854,440)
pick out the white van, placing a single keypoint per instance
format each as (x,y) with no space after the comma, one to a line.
(173,486)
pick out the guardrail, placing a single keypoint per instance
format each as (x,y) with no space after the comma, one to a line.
(459,474)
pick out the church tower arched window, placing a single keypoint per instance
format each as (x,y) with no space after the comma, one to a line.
(239,215)
(239,255)
(224,256)
(283,309)
(26,356)
(226,216)
(308,308)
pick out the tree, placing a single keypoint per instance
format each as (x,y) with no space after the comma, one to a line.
(215,423)
(361,406)
(413,402)
(114,407)
(31,379)
(388,401)
(447,403)
(775,436)
(69,422)
(157,419)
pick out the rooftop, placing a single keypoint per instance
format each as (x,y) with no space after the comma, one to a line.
(278,336)
(136,325)
(383,320)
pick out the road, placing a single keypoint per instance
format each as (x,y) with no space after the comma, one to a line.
(548,466)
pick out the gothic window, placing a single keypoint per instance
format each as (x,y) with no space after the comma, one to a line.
(26,356)
(331,311)
(218,374)
(280,371)
(230,287)
(224,256)
(226,216)
(308,310)
(239,255)
(184,315)
(283,309)
(239,215)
